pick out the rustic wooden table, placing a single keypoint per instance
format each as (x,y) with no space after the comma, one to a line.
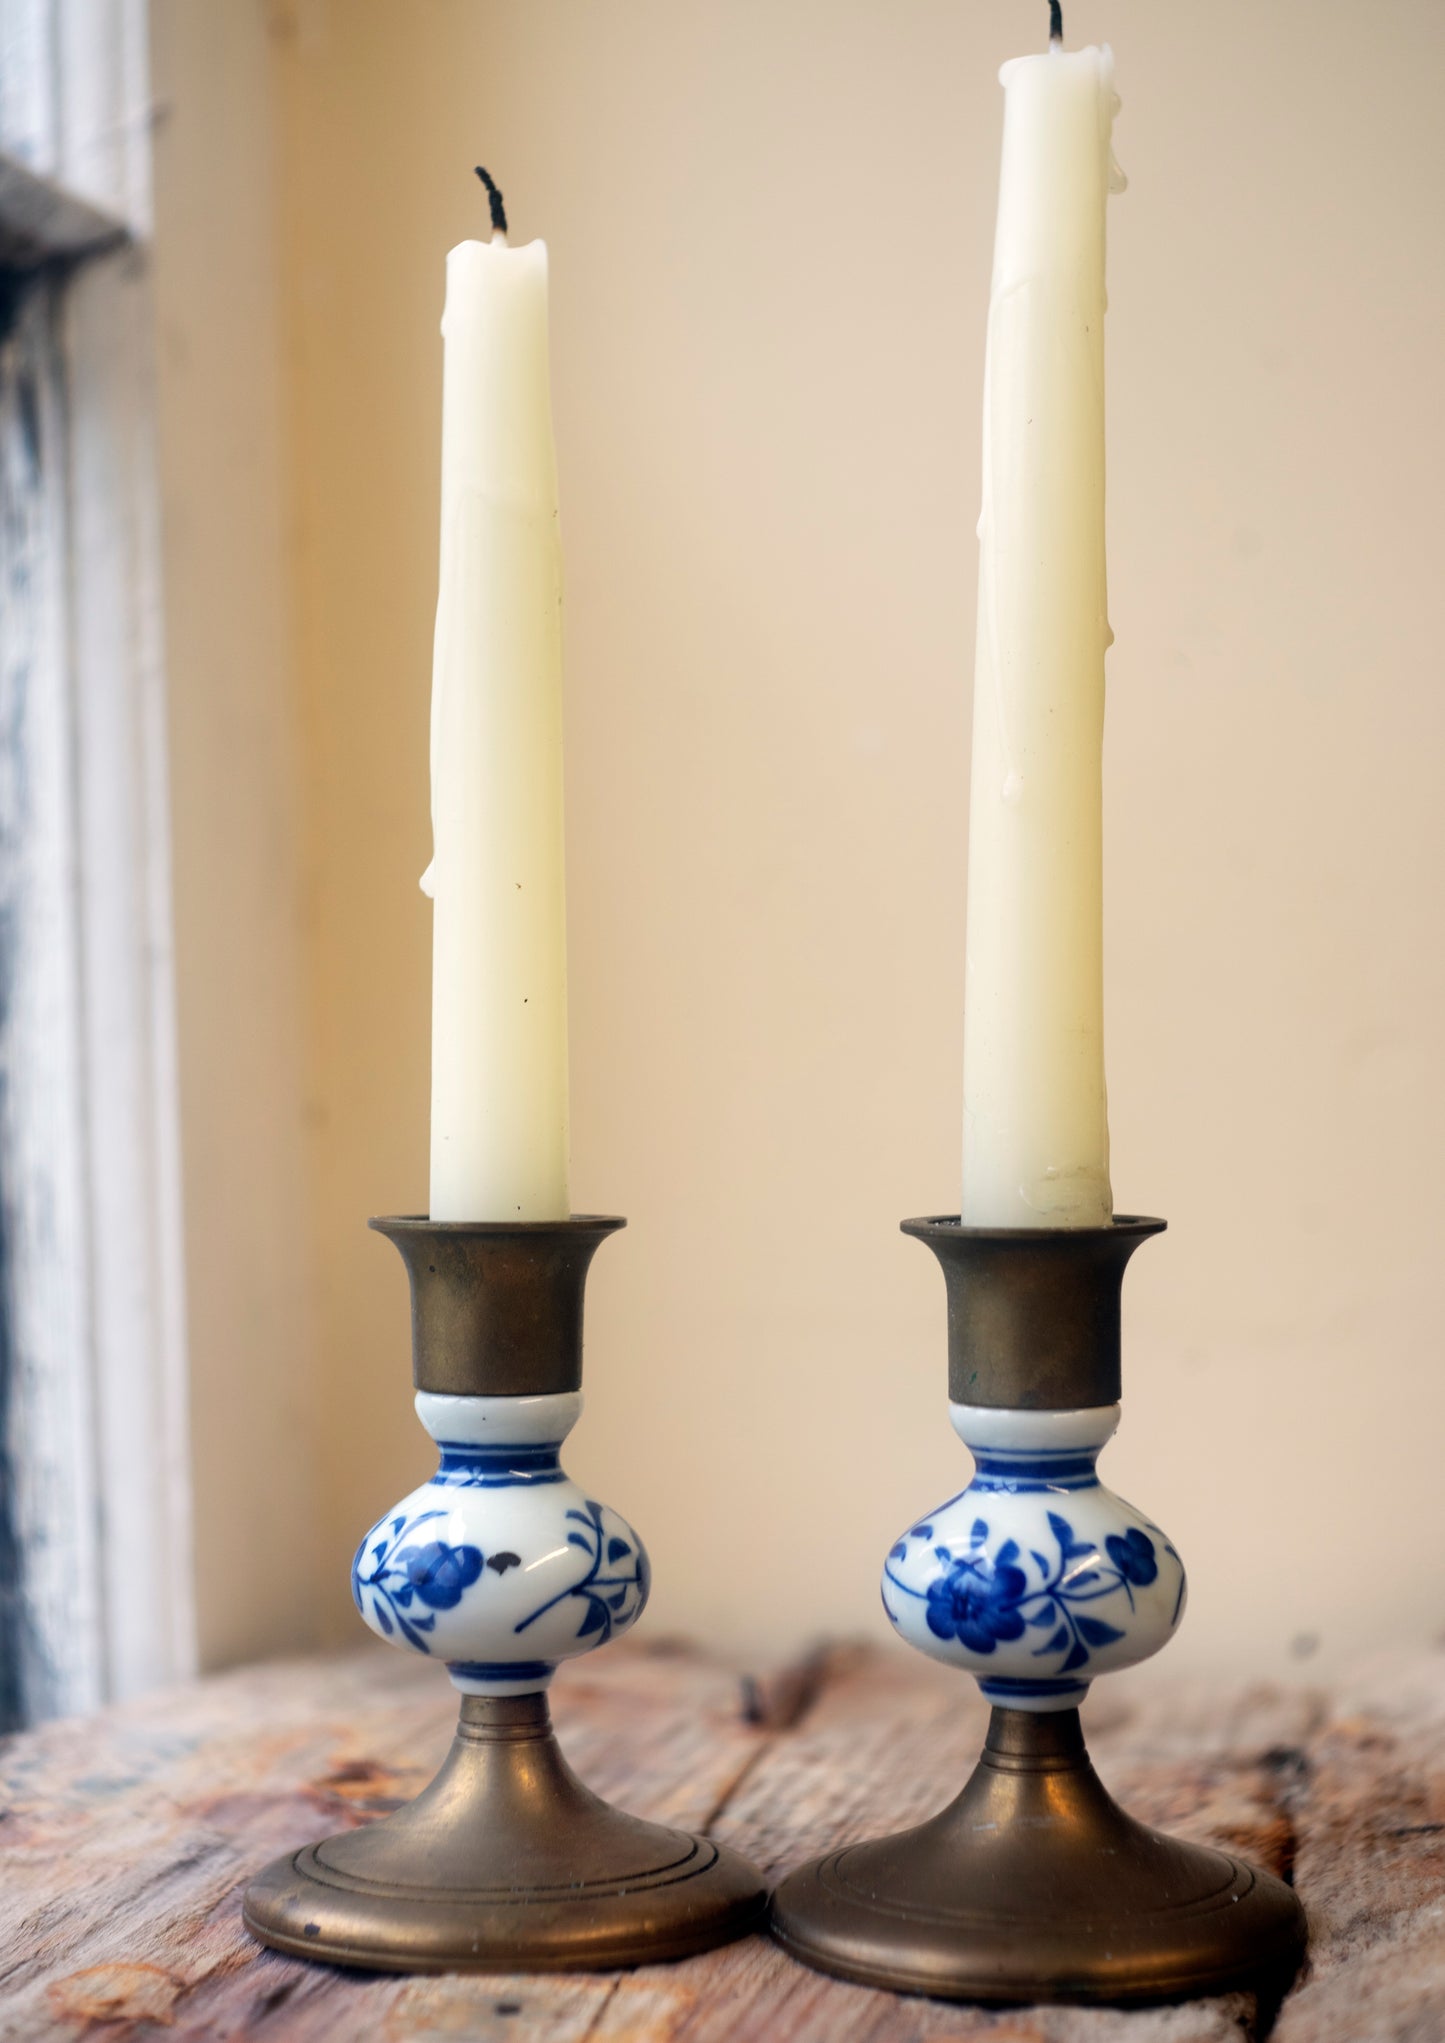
(125,1841)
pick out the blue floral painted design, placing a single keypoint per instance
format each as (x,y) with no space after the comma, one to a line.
(616,1583)
(407,1575)
(980,1599)
(1132,1553)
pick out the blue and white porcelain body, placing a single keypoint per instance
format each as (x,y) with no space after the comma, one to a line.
(1036,1577)
(500,1566)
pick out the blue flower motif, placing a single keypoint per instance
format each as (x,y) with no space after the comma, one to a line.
(403,1577)
(437,1573)
(977,1600)
(1133,1555)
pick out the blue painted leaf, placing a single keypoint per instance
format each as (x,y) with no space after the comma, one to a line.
(412,1636)
(898,1553)
(943,1553)
(382,1616)
(1056,1644)
(576,1539)
(1043,1564)
(979,1532)
(619,1598)
(595,1509)
(397,1524)
(921,1532)
(1062,1530)
(402,1595)
(594,1620)
(1076,1659)
(1097,1632)
(1082,1581)
(378,1552)
(1042,1617)
(617,1548)
(1007,1554)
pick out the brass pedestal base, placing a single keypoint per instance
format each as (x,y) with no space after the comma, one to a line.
(506,1863)
(1035,1886)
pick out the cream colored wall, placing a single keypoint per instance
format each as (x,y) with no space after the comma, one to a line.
(770,229)
(236,842)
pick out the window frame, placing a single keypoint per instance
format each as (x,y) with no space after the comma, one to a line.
(96,1434)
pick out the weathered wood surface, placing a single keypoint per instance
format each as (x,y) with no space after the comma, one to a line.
(125,1841)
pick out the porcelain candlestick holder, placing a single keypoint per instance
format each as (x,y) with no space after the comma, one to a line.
(500,1567)
(1033,1884)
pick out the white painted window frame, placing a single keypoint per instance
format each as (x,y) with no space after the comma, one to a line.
(96,1445)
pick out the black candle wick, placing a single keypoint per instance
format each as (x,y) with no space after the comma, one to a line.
(1056,21)
(494,200)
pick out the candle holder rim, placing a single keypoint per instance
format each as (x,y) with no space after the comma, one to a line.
(1033,1312)
(399,1224)
(948,1225)
(497,1305)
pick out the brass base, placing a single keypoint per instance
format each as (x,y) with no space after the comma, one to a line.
(1035,1886)
(505,1863)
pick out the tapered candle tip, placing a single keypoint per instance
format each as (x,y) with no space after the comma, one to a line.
(494,200)
(1056,21)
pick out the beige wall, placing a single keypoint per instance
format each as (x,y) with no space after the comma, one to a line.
(770,228)
(236,803)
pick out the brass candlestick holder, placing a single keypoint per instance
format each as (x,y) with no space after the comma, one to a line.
(1033,1885)
(500,1567)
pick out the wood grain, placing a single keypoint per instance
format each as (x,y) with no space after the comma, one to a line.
(125,1840)
(1371,1864)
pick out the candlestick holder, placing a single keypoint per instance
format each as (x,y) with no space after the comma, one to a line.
(1033,1885)
(500,1567)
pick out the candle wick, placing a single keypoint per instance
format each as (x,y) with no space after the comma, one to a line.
(1056,21)
(494,200)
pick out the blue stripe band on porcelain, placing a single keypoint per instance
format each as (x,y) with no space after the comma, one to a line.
(501,1453)
(469,1479)
(1023,1486)
(502,1670)
(1003,1686)
(499,1463)
(1050,1467)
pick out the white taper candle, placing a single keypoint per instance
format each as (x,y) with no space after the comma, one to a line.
(1036,1134)
(499,982)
